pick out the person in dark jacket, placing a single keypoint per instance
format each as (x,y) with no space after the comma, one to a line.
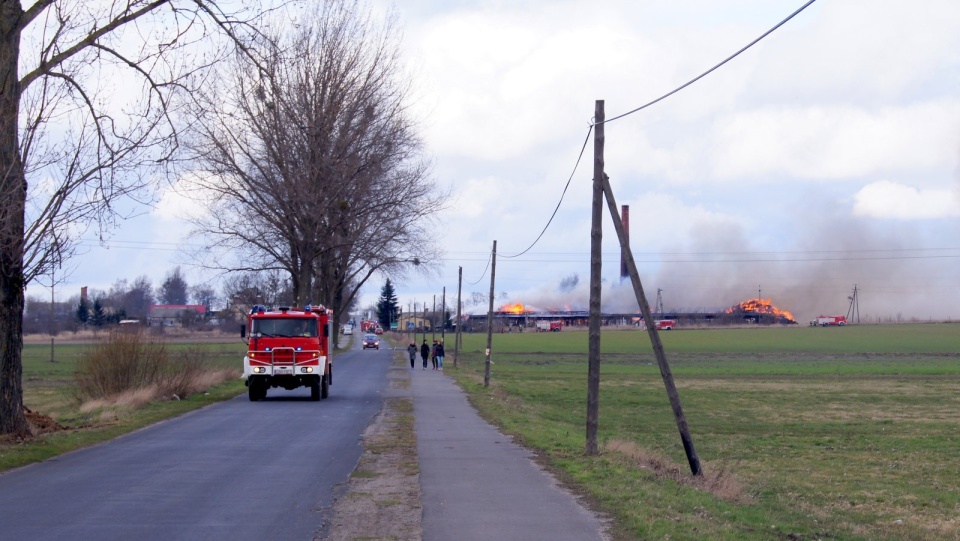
(412,350)
(440,355)
(425,353)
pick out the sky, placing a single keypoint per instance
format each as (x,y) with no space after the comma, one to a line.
(825,157)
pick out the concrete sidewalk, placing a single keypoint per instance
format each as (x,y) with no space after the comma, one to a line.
(476,483)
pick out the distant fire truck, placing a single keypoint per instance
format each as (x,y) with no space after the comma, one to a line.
(661,324)
(288,348)
(549,326)
(828,321)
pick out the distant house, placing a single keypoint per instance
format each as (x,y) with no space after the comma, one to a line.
(174,315)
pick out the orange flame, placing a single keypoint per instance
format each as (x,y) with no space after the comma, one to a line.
(515,308)
(760,306)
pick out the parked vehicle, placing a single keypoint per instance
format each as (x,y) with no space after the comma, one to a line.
(661,324)
(829,321)
(549,326)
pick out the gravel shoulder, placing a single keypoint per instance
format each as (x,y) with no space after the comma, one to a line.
(382,498)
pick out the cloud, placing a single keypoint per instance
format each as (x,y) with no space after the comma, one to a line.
(886,199)
(818,143)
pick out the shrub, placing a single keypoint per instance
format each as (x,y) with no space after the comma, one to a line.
(118,362)
(134,360)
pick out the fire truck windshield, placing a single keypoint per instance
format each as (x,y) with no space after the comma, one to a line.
(285,327)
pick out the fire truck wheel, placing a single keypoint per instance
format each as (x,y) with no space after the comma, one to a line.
(324,388)
(257,391)
(315,391)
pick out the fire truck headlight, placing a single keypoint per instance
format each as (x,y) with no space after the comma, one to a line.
(307,370)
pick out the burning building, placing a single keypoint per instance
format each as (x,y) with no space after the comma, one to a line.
(759,311)
(518,315)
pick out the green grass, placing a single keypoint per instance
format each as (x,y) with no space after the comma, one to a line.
(833,433)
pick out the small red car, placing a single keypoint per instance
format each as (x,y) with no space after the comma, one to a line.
(371,341)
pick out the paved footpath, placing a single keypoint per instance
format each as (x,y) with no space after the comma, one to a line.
(478,484)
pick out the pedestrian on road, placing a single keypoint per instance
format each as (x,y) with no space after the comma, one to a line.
(440,355)
(433,354)
(424,353)
(412,350)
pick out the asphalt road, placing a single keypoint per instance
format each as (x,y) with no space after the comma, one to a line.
(237,470)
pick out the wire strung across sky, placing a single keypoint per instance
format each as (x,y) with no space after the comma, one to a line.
(709,71)
(661,98)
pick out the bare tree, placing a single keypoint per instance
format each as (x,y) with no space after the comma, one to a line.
(174,288)
(312,166)
(77,149)
(138,298)
(205,295)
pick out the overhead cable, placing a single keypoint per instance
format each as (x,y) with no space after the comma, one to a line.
(704,74)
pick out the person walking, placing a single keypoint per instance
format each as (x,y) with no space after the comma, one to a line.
(412,350)
(424,353)
(440,355)
(433,354)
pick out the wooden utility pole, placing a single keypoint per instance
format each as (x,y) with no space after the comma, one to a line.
(596,237)
(433,319)
(443,314)
(493,278)
(456,340)
(665,372)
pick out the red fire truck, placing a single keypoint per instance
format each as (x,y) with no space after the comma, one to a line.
(661,324)
(829,321)
(288,348)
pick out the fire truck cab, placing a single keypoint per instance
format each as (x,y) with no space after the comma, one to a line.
(288,348)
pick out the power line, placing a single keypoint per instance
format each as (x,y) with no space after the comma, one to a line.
(484,270)
(575,166)
(709,71)
(702,75)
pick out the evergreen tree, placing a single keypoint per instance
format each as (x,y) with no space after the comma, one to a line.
(387,307)
(98,315)
(83,311)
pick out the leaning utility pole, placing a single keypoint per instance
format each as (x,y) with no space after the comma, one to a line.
(665,372)
(596,237)
(493,277)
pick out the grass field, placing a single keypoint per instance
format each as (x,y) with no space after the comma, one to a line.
(804,433)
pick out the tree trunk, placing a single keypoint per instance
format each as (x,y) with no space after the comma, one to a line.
(13,196)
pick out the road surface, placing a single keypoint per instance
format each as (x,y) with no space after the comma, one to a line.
(237,470)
